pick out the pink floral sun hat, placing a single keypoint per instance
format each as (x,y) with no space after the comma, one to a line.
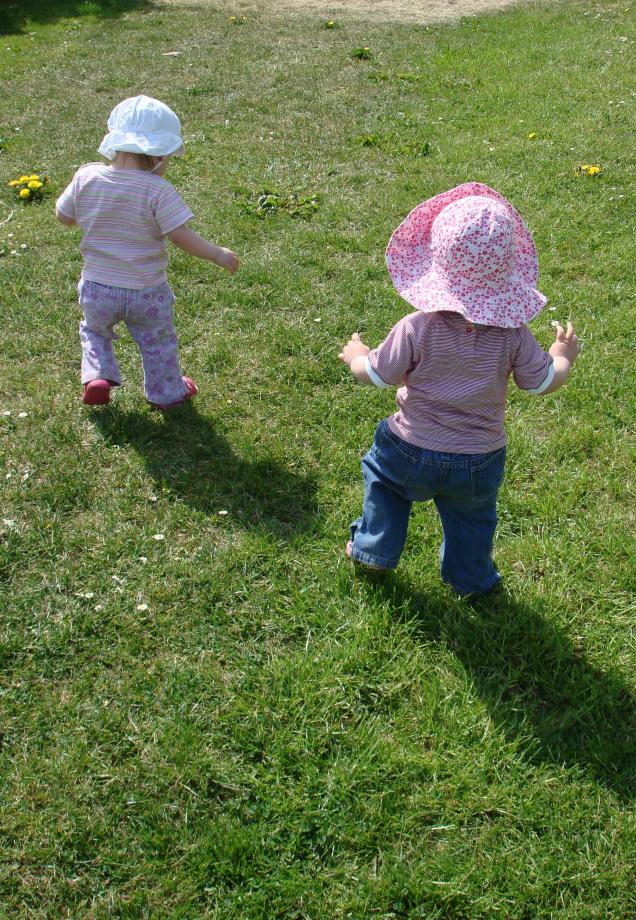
(467,250)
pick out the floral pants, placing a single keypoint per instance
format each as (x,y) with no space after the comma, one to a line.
(148,316)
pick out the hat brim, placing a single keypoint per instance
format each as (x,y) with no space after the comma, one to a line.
(510,305)
(411,266)
(152,145)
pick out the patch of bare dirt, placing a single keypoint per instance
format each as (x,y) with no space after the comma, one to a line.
(415,11)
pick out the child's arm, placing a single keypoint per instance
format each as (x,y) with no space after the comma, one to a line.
(63,219)
(565,350)
(196,245)
(390,363)
(355,354)
(65,205)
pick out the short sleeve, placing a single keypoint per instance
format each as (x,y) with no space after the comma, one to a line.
(531,364)
(395,357)
(65,204)
(170,210)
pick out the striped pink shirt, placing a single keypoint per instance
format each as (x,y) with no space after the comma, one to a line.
(455,378)
(125,215)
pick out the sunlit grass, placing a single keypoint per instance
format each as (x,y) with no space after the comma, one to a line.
(227,722)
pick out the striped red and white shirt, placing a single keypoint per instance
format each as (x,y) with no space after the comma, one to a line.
(125,216)
(454,379)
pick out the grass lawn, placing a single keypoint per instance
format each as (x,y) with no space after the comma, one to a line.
(205,712)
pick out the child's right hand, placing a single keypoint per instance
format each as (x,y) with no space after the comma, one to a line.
(566,345)
(228,260)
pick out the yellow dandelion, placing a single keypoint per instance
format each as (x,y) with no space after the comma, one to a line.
(34,178)
(25,193)
(588,170)
(35,184)
(24,178)
(232,19)
(14,182)
(532,135)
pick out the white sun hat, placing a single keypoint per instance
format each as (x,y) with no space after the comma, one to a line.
(142,125)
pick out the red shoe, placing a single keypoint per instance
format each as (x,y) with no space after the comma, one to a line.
(191,390)
(97,392)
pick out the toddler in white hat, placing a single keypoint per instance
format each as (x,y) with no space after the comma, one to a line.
(126,211)
(467,263)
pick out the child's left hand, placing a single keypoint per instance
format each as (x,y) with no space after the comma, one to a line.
(353,349)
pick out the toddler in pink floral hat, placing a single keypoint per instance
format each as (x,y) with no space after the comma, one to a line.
(467,263)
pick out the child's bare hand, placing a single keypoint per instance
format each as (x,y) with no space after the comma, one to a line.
(354,347)
(228,260)
(566,344)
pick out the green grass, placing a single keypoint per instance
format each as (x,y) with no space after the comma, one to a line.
(274,736)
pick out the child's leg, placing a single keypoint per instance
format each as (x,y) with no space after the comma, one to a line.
(377,538)
(469,519)
(150,322)
(97,332)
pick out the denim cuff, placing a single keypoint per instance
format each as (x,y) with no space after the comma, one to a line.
(463,592)
(365,558)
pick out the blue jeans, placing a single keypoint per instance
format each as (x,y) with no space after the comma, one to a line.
(464,488)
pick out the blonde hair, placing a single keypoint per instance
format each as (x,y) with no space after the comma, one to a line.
(143,160)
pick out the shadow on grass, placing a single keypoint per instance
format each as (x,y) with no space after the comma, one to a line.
(535,681)
(187,456)
(16,14)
